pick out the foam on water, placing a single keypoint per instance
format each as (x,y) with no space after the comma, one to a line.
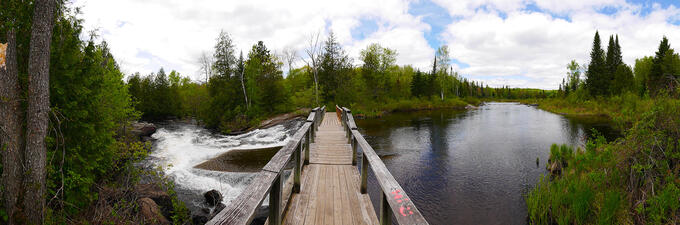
(180,147)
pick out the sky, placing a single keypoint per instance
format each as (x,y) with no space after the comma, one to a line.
(518,43)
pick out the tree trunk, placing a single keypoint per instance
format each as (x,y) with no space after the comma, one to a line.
(243,86)
(38,109)
(11,131)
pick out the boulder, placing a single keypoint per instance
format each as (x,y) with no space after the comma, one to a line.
(470,107)
(213,197)
(150,213)
(142,129)
(160,197)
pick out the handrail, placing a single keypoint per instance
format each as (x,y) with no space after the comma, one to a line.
(393,195)
(269,180)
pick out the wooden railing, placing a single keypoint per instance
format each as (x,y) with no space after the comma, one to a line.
(394,200)
(269,180)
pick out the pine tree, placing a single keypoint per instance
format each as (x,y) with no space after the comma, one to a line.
(596,80)
(655,81)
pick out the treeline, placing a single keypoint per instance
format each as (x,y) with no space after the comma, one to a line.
(607,75)
(242,90)
(634,179)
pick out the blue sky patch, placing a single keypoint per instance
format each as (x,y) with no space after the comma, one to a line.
(366,27)
(435,16)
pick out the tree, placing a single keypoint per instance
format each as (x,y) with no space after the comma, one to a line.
(596,80)
(241,69)
(313,51)
(643,67)
(377,60)
(623,80)
(24,176)
(444,59)
(289,56)
(665,69)
(224,55)
(206,61)
(573,75)
(417,84)
(267,79)
(335,67)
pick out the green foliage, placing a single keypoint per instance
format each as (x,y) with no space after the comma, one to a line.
(623,80)
(158,97)
(604,183)
(89,103)
(334,71)
(377,61)
(596,80)
(643,67)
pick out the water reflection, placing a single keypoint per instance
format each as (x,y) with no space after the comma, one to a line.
(471,167)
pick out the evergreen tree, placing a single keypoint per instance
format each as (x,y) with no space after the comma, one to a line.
(596,80)
(623,80)
(665,70)
(334,69)
(417,84)
(225,60)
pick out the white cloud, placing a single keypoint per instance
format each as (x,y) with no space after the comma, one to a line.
(502,41)
(537,46)
(145,35)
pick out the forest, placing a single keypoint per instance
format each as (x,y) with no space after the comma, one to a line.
(68,153)
(241,91)
(634,179)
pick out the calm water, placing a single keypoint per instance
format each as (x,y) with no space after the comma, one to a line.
(471,167)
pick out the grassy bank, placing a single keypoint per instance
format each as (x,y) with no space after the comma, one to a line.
(373,110)
(633,180)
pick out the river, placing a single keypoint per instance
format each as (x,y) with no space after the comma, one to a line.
(459,167)
(475,166)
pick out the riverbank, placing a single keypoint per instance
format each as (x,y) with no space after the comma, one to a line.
(633,180)
(416,104)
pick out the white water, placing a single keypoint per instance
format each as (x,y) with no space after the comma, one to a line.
(180,147)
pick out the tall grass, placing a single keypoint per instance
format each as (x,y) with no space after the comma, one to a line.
(634,179)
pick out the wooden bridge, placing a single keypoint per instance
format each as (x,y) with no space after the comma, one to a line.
(326,185)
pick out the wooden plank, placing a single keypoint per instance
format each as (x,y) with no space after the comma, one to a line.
(242,209)
(328,193)
(321,190)
(310,218)
(350,202)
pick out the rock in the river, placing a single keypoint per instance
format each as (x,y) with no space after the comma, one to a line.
(160,197)
(212,197)
(470,107)
(150,212)
(142,129)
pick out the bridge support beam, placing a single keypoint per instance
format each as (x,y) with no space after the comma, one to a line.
(275,201)
(385,211)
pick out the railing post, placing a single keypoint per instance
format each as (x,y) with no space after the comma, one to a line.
(308,144)
(354,150)
(385,211)
(275,201)
(364,173)
(298,169)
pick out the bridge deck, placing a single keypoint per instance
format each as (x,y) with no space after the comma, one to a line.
(329,191)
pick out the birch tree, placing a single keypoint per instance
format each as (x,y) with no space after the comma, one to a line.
(313,51)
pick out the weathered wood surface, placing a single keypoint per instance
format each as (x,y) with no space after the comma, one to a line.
(330,184)
(242,209)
